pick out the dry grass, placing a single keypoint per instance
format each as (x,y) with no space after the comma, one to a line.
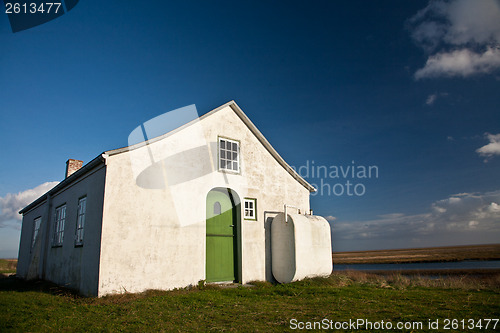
(465,281)
(432,254)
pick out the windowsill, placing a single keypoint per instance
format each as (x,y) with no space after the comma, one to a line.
(230,171)
(58,245)
(79,245)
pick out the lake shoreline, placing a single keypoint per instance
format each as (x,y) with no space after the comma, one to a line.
(477,272)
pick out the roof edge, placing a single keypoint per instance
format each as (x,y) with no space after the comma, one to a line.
(268,146)
(232,104)
(160,137)
(77,174)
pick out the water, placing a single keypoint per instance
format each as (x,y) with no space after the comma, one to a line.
(472,264)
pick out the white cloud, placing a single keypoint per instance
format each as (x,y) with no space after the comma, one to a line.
(439,209)
(472,21)
(12,203)
(431,99)
(464,36)
(454,200)
(428,35)
(473,224)
(494,207)
(457,22)
(463,194)
(464,218)
(391,216)
(462,63)
(330,218)
(492,148)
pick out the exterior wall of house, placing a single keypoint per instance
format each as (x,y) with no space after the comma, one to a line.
(153,230)
(69,265)
(29,257)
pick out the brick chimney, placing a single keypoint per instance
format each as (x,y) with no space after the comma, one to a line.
(72,166)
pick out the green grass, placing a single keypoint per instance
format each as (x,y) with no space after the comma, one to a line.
(38,306)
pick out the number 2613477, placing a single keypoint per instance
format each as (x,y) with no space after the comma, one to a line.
(32,8)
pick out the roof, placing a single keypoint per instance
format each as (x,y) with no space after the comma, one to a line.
(100,159)
(246,121)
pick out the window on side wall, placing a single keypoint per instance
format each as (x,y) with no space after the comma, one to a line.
(36,227)
(80,221)
(229,155)
(250,209)
(59,219)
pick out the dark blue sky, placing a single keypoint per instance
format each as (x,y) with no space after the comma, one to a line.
(324,81)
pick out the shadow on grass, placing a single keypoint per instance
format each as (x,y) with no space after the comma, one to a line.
(13,283)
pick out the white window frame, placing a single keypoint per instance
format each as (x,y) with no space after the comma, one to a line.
(80,221)
(250,209)
(36,228)
(222,155)
(59,221)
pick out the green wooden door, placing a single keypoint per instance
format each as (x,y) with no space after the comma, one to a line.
(221,236)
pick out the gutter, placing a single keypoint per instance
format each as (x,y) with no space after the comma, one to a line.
(100,159)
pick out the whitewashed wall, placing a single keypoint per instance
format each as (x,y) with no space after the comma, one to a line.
(153,234)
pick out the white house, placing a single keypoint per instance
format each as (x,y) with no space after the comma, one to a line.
(196,203)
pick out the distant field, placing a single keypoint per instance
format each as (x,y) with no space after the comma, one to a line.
(7,266)
(431,254)
(39,306)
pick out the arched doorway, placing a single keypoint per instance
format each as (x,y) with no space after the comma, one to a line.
(223,235)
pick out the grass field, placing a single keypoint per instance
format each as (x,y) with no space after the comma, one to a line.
(351,295)
(431,254)
(39,306)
